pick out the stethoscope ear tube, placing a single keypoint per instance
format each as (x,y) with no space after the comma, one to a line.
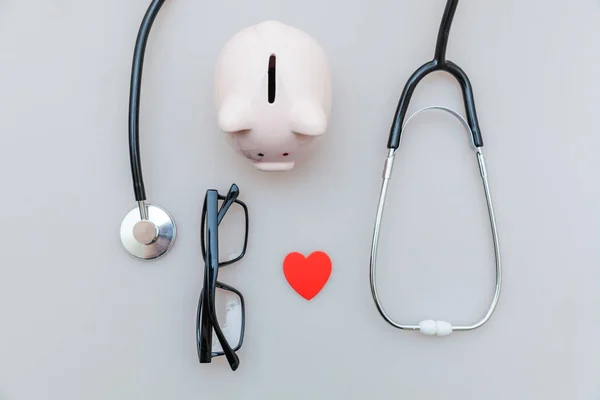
(148,231)
(439,63)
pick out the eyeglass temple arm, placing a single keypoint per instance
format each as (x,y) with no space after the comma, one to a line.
(231,197)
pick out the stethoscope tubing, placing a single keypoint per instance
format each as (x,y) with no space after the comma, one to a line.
(134,99)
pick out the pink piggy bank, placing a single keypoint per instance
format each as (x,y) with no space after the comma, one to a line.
(273,94)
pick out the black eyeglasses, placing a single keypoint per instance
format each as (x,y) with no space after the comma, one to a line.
(221,310)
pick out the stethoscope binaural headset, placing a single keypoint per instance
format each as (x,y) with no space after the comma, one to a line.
(148,231)
(439,63)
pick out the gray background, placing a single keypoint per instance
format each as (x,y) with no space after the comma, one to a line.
(81,319)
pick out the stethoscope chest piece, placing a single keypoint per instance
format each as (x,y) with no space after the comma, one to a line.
(148,236)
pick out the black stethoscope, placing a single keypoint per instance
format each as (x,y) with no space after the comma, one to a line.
(471,125)
(148,231)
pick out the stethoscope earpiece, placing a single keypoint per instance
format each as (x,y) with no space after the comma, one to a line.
(148,232)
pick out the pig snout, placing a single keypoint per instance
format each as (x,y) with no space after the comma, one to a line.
(264,161)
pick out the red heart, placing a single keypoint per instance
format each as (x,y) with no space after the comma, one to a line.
(307,275)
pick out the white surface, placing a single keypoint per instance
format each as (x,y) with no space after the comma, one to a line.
(81,319)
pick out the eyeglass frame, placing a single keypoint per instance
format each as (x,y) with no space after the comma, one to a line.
(206,318)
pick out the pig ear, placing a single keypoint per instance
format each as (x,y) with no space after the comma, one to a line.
(235,115)
(308,118)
